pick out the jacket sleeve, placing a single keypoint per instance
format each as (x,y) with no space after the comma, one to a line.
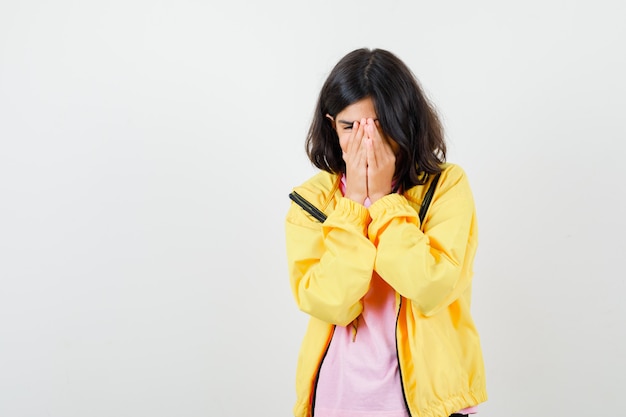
(431,268)
(330,264)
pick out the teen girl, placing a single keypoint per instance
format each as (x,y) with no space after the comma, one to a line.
(388,294)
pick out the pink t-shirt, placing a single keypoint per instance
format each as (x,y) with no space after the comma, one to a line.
(359,376)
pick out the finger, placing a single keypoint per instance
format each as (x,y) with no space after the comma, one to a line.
(376,141)
(354,141)
(362,151)
(359,135)
(371,130)
(348,148)
(382,145)
(361,130)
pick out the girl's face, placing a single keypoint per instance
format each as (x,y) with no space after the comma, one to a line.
(362,109)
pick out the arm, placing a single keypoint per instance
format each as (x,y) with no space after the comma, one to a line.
(330,265)
(431,268)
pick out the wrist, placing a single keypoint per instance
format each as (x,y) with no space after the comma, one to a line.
(357,198)
(377,196)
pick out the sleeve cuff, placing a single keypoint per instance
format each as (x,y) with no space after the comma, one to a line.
(390,202)
(349,215)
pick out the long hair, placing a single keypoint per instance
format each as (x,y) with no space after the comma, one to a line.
(404,113)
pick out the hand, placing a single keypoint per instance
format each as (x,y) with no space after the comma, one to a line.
(381,162)
(355,157)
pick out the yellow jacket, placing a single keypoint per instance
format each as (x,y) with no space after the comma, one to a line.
(331,264)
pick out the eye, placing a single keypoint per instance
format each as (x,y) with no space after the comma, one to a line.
(347,127)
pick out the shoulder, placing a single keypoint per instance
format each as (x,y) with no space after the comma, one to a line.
(452,181)
(451,172)
(320,189)
(453,190)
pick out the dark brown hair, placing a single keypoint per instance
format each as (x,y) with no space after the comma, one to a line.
(404,113)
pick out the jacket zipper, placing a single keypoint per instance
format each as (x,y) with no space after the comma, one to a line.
(319,368)
(422,213)
(406,403)
(308,207)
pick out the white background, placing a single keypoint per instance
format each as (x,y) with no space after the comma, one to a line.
(147,149)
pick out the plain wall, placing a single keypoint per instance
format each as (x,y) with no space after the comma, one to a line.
(147,149)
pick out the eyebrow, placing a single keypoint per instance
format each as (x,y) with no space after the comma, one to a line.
(350,123)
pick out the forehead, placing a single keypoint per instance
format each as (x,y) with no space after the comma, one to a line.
(358,110)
